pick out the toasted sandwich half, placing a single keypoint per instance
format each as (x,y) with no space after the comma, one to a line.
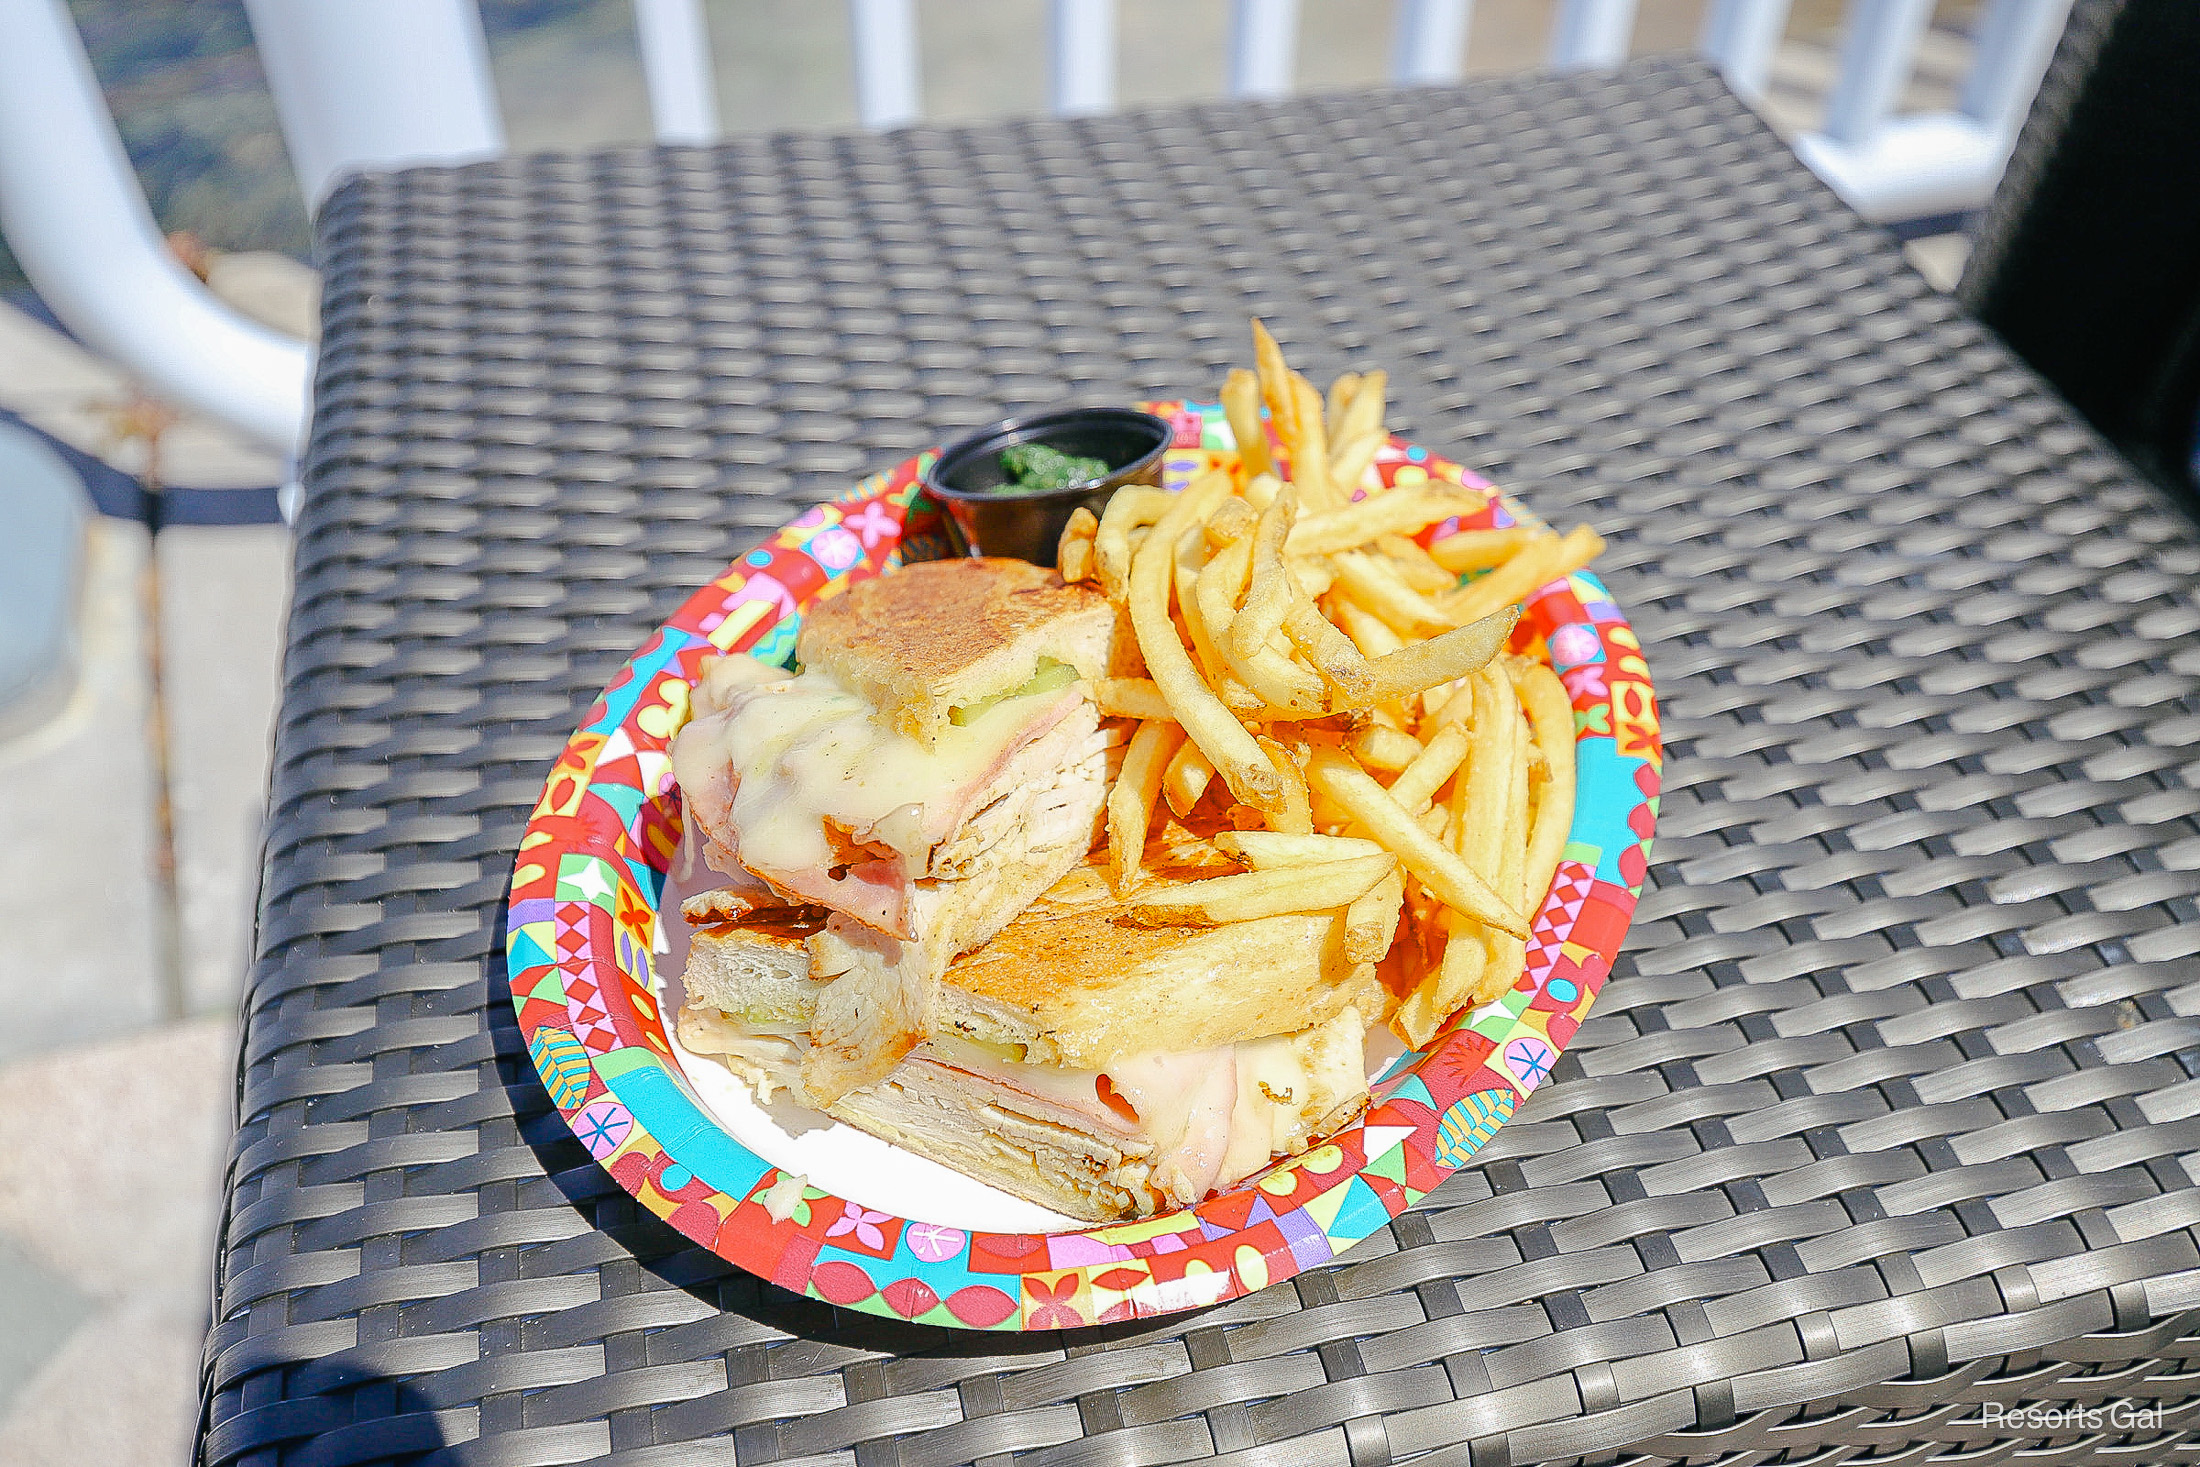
(1097,1067)
(936,765)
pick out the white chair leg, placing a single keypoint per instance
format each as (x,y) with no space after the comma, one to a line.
(1429,47)
(1740,36)
(886,61)
(2016,39)
(676,63)
(1878,49)
(1083,46)
(1264,47)
(1592,34)
(77,222)
(377,84)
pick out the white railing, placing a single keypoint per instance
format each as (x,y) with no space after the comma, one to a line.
(675,47)
(376,83)
(77,221)
(1892,167)
(382,83)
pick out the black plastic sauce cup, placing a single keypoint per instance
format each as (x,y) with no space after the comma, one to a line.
(969,480)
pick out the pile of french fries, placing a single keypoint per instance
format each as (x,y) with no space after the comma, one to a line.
(1339,694)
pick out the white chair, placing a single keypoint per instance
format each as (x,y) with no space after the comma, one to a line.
(363,84)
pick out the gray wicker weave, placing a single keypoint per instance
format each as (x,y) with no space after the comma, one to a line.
(1881,1125)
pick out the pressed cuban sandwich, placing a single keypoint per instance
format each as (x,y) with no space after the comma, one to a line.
(1094,1065)
(937,763)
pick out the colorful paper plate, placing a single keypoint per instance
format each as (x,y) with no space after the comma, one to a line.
(592,871)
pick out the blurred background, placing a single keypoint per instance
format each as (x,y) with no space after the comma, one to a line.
(139,672)
(188,93)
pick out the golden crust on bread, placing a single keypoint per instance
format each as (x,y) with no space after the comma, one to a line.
(1084,989)
(950,633)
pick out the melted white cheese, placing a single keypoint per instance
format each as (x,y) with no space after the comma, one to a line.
(1188,1103)
(827,801)
(769,1057)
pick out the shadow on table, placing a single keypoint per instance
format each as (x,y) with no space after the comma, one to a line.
(669,1258)
(382,1420)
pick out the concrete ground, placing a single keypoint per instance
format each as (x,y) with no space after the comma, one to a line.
(133,815)
(123,965)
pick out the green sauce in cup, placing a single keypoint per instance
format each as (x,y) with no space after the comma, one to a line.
(1034,468)
(1009,488)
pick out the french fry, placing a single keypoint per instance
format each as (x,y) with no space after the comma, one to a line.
(1421,665)
(1130,802)
(1511,579)
(1276,682)
(1266,850)
(1348,461)
(1130,508)
(1418,784)
(1191,547)
(1326,727)
(1454,701)
(1508,956)
(1132,697)
(1186,778)
(1498,747)
(1368,632)
(1076,560)
(1331,651)
(1542,562)
(1397,605)
(1413,565)
(1473,550)
(1073,552)
(1583,545)
(1275,383)
(1371,922)
(1364,414)
(1340,397)
(1231,523)
(1202,714)
(1399,512)
(1381,747)
(1450,879)
(1268,600)
(1294,640)
(1506,959)
(1551,716)
(1310,447)
(1256,894)
(1241,405)
(1444,991)
(1221,582)
(1285,685)
(1294,812)
(1434,819)
(1374,640)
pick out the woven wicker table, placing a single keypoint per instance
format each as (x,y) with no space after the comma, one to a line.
(1879,1131)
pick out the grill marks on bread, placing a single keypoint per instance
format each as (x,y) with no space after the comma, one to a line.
(949,634)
